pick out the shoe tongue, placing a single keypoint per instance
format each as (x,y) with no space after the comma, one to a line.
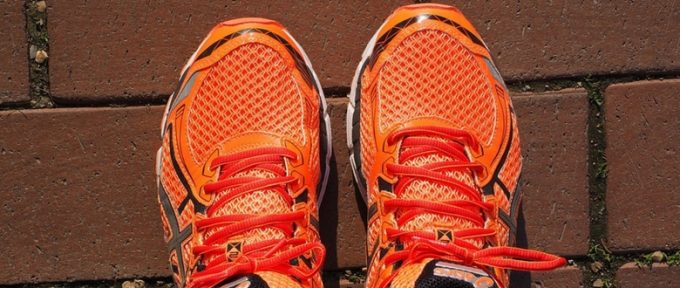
(442,274)
(259,280)
(423,189)
(254,140)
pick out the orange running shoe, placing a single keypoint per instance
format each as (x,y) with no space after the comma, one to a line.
(244,162)
(435,149)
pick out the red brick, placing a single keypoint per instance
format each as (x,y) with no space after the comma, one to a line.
(660,275)
(539,39)
(79,195)
(555,183)
(102,50)
(643,158)
(13,53)
(561,278)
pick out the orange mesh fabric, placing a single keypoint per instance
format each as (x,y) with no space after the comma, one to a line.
(278,280)
(173,261)
(431,74)
(513,164)
(250,89)
(509,175)
(373,234)
(314,161)
(187,245)
(367,145)
(502,230)
(372,274)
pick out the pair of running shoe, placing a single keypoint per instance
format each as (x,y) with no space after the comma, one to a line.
(434,149)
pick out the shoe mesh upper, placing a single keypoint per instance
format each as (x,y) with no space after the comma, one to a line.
(250,89)
(513,164)
(431,74)
(274,280)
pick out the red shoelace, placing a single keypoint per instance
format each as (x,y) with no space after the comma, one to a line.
(268,255)
(422,141)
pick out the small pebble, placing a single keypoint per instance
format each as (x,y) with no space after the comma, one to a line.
(658,257)
(40,56)
(40,6)
(596,266)
(598,283)
(134,284)
(32,50)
